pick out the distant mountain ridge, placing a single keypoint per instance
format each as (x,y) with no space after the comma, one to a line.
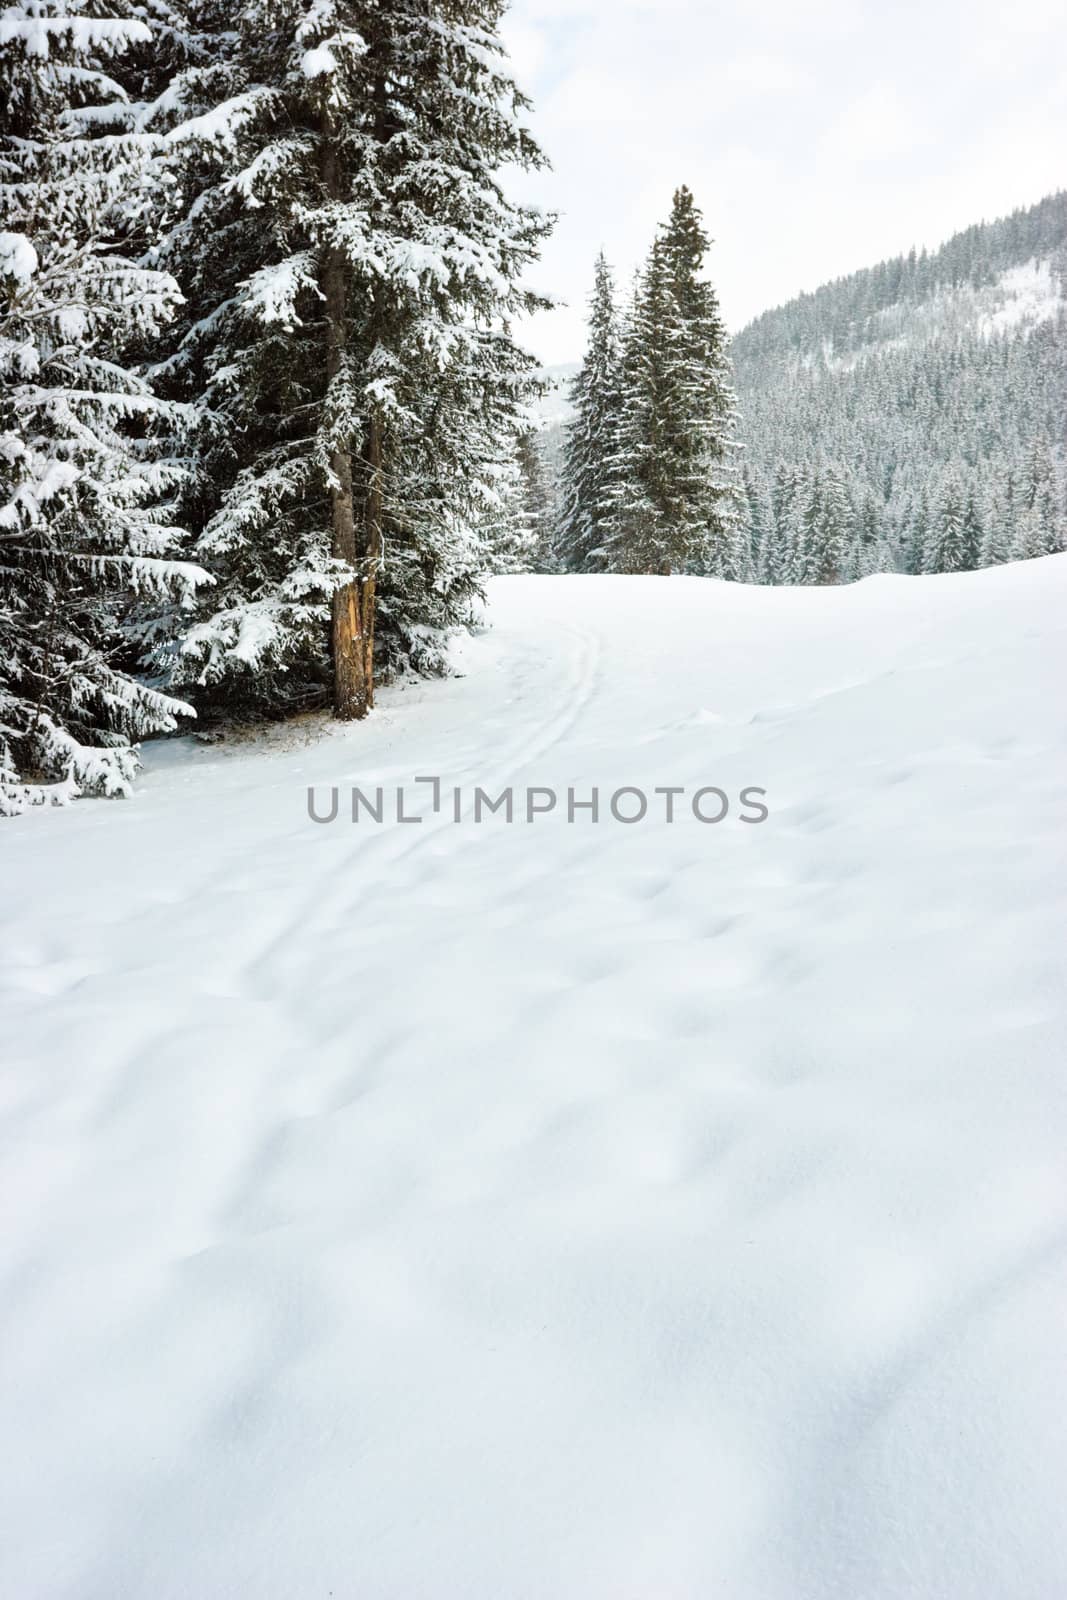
(852,312)
(909,417)
(912,416)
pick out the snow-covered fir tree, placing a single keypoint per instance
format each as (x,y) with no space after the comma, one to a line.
(757,525)
(673,503)
(954,541)
(352,267)
(637,526)
(519,531)
(538,504)
(588,452)
(701,420)
(89,455)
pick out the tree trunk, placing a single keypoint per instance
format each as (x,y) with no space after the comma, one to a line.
(374,500)
(372,549)
(349,648)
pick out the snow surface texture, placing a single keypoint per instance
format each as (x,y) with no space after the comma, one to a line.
(595,1213)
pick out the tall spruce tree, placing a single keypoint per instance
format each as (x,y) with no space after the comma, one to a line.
(586,478)
(673,502)
(89,455)
(536,501)
(779,560)
(830,550)
(519,535)
(700,425)
(347,339)
(637,504)
(758,529)
(955,535)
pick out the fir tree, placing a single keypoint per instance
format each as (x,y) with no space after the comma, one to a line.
(759,532)
(831,533)
(779,561)
(700,421)
(973,532)
(508,538)
(536,501)
(639,535)
(586,480)
(673,504)
(954,537)
(998,543)
(347,342)
(89,462)
(807,530)
(1039,530)
(869,551)
(518,529)
(918,534)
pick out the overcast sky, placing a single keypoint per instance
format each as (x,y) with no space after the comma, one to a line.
(817,136)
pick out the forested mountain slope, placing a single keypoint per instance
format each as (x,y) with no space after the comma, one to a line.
(913,415)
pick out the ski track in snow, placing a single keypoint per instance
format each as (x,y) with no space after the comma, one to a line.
(339,893)
(548,1210)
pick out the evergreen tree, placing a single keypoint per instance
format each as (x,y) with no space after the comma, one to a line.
(89,454)
(954,537)
(973,532)
(831,532)
(758,529)
(347,339)
(586,481)
(919,534)
(1000,520)
(865,550)
(1037,477)
(700,419)
(637,506)
(536,501)
(508,537)
(780,559)
(673,504)
(806,511)
(518,529)
(1039,529)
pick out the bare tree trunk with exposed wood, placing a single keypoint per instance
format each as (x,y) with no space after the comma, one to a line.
(372,528)
(351,644)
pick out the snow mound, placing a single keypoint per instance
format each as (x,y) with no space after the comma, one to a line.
(593,1211)
(18,258)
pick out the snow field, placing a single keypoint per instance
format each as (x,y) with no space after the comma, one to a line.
(593,1212)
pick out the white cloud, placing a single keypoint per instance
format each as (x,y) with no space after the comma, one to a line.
(817,138)
(880,123)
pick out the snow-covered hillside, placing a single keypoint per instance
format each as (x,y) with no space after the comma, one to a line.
(595,1211)
(913,414)
(1018,298)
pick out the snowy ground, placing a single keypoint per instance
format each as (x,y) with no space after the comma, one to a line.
(550,1211)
